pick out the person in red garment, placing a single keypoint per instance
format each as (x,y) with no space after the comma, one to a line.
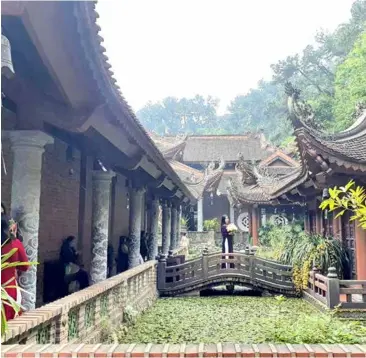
(9,275)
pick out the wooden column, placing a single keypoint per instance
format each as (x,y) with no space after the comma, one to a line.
(307,228)
(337,226)
(319,222)
(254,226)
(360,254)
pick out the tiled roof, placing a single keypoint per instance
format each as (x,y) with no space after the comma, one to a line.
(281,156)
(208,148)
(88,32)
(197,181)
(347,148)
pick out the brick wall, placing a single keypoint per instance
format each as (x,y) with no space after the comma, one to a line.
(59,209)
(187,350)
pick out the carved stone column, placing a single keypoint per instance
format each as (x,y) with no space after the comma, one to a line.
(154,227)
(173,229)
(134,242)
(200,215)
(166,227)
(100,224)
(179,225)
(28,147)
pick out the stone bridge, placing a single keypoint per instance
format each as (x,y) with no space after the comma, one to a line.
(245,269)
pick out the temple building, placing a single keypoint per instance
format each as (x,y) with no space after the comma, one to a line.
(325,161)
(206,164)
(75,159)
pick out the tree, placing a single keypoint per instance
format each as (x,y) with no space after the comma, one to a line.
(185,115)
(347,198)
(350,84)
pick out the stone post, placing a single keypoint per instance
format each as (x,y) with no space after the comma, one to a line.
(28,147)
(100,224)
(333,291)
(134,242)
(166,227)
(232,214)
(173,229)
(200,215)
(179,225)
(154,227)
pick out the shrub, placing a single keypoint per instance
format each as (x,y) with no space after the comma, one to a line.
(290,245)
(347,198)
(211,225)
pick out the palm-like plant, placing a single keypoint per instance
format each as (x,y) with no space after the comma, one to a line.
(6,299)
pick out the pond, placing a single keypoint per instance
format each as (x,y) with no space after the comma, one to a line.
(237,319)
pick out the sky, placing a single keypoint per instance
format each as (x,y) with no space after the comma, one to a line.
(222,48)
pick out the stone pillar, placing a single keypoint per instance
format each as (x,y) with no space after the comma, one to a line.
(154,227)
(254,223)
(166,227)
(200,215)
(232,214)
(136,195)
(179,225)
(100,224)
(173,229)
(360,251)
(28,147)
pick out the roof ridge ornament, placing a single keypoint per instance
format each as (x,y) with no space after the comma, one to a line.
(245,171)
(301,113)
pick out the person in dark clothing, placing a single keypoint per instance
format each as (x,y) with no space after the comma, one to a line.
(227,239)
(68,253)
(143,246)
(3,210)
(73,272)
(110,255)
(122,256)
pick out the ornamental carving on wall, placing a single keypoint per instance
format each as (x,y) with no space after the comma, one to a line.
(243,222)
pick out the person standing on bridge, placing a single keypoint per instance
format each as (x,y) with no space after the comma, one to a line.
(227,239)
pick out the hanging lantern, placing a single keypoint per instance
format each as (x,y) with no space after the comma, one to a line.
(7,68)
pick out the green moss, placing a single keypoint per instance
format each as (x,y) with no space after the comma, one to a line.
(240,319)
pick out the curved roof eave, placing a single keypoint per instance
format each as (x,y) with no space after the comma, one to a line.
(88,30)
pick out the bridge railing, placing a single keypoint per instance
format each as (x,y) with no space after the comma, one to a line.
(333,292)
(244,266)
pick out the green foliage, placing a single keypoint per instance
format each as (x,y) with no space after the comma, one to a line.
(290,245)
(211,225)
(185,115)
(183,221)
(350,83)
(347,198)
(241,320)
(6,299)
